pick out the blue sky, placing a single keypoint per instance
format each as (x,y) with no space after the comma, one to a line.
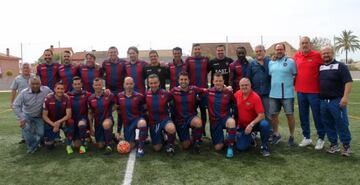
(161,24)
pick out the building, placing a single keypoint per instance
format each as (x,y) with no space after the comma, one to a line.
(289,49)
(79,57)
(9,69)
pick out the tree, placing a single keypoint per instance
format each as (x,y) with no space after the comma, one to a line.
(319,42)
(347,42)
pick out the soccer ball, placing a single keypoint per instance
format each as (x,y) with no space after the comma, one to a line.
(123,147)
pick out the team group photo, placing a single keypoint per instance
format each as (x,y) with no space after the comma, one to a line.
(213,113)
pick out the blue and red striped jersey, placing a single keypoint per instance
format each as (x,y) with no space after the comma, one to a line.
(114,74)
(66,74)
(238,70)
(175,70)
(79,106)
(49,74)
(101,107)
(219,103)
(157,105)
(198,68)
(184,102)
(88,74)
(130,108)
(56,108)
(136,71)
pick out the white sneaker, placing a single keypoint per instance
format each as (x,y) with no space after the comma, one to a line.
(319,144)
(305,142)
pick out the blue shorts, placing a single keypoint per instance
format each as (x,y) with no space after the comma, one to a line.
(217,130)
(129,130)
(156,131)
(182,129)
(99,131)
(276,104)
(76,127)
(50,135)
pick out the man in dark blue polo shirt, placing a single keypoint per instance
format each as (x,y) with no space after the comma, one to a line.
(335,88)
(258,73)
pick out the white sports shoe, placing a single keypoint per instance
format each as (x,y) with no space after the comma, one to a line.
(319,144)
(305,142)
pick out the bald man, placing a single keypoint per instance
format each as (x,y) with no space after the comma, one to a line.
(28,110)
(251,118)
(335,88)
(131,109)
(307,87)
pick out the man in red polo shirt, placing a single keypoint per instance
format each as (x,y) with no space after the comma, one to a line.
(307,87)
(251,118)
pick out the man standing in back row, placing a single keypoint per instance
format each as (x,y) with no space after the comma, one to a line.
(49,70)
(198,68)
(220,64)
(282,71)
(307,87)
(335,88)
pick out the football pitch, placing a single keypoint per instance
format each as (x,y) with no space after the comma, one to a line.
(286,165)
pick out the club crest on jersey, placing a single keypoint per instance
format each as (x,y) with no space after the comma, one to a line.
(247,103)
(284,64)
(309,60)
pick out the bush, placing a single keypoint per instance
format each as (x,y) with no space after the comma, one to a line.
(9,73)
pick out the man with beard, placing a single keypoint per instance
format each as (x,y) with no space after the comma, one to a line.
(335,88)
(67,71)
(184,112)
(282,70)
(135,69)
(78,99)
(198,68)
(48,71)
(89,72)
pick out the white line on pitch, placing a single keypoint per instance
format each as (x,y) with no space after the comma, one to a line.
(130,168)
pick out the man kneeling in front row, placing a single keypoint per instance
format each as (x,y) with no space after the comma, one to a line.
(251,118)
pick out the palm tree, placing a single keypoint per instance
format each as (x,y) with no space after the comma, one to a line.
(347,42)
